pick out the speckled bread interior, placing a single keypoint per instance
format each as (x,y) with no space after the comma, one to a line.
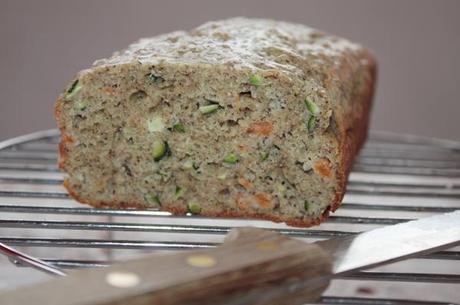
(237,118)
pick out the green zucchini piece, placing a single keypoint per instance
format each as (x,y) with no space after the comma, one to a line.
(155,79)
(179,127)
(264,155)
(231,158)
(152,199)
(312,107)
(255,80)
(74,88)
(179,192)
(188,164)
(155,124)
(159,150)
(309,208)
(194,207)
(311,123)
(222,176)
(209,108)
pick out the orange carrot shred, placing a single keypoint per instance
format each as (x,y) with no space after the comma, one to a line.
(109,90)
(323,167)
(245,183)
(263,200)
(261,128)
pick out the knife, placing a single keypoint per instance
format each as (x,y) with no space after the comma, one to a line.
(252,266)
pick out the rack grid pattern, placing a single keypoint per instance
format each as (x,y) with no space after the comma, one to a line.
(396,178)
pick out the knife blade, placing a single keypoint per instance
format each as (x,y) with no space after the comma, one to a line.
(253,266)
(392,243)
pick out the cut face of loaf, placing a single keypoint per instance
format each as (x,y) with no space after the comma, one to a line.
(237,118)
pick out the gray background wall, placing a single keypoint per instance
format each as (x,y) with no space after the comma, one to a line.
(417,43)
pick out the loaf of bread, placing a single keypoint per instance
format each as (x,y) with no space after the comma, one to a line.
(236,118)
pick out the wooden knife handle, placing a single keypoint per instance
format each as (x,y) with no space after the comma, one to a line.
(253,266)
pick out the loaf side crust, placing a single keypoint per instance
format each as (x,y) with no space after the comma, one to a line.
(353,132)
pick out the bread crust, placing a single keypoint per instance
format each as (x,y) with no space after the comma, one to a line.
(353,133)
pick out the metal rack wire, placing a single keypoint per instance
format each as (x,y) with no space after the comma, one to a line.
(396,178)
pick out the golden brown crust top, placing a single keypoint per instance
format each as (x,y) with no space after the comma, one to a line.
(241,43)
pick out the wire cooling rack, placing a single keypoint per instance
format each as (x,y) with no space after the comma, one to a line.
(395,178)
